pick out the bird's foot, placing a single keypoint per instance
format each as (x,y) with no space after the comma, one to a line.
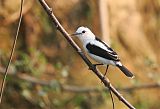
(103,78)
(105,73)
(94,66)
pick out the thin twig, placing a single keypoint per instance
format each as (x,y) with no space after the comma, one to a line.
(12,52)
(105,81)
(111,98)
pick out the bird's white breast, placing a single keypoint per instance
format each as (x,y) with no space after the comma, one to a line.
(101,60)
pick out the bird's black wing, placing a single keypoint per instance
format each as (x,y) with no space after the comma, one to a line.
(98,51)
(109,48)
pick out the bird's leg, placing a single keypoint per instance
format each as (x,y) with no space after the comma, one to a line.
(105,71)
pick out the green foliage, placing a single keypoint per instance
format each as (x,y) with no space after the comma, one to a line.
(55,86)
(149,62)
(142,105)
(34,64)
(81,101)
(58,65)
(78,100)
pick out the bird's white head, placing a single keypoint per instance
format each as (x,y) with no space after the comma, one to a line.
(84,34)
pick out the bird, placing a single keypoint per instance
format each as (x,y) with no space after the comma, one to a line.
(99,51)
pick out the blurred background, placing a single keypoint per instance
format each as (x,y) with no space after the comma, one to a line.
(46,72)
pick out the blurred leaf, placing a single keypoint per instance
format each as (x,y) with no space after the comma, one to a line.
(64,72)
(55,85)
(78,100)
(142,105)
(58,65)
(27,94)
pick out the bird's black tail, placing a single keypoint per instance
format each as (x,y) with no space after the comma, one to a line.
(125,71)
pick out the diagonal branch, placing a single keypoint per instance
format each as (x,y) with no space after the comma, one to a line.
(105,81)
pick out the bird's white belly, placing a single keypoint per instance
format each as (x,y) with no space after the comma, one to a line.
(102,60)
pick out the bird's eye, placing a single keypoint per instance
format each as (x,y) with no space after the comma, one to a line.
(83,31)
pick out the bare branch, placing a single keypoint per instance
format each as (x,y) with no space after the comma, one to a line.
(12,52)
(73,88)
(105,81)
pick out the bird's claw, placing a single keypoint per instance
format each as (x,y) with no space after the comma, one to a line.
(102,79)
(92,67)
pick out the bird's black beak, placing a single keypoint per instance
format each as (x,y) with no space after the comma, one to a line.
(74,34)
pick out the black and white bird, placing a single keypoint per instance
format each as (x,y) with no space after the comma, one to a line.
(99,50)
